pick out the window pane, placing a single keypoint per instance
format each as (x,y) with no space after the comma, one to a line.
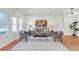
(14,20)
(3,23)
(14,23)
(20,21)
(14,28)
(20,24)
(20,27)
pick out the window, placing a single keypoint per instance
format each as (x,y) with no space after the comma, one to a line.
(20,24)
(3,23)
(14,24)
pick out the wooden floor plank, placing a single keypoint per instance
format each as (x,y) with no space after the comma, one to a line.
(71,43)
(10,45)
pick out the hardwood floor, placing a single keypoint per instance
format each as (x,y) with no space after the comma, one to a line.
(71,43)
(10,45)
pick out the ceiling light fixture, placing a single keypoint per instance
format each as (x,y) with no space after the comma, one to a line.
(72,12)
(70,15)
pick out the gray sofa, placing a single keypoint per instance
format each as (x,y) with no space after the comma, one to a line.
(56,35)
(40,34)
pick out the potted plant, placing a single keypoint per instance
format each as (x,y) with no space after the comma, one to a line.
(73,27)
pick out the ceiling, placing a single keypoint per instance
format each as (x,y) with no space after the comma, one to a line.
(43,10)
(47,10)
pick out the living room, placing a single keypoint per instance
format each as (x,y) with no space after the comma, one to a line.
(24,19)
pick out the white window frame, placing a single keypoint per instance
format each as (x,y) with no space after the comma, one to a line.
(14,24)
(4,15)
(20,24)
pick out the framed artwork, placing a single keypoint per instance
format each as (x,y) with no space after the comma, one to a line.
(41,23)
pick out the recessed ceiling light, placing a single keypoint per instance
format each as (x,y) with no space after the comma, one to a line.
(70,15)
(75,12)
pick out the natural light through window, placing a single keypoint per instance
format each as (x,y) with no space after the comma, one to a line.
(14,24)
(20,24)
(3,23)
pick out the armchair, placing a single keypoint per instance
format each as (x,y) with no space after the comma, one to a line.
(23,35)
(57,35)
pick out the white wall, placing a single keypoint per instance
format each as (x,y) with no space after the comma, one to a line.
(56,20)
(59,22)
(67,22)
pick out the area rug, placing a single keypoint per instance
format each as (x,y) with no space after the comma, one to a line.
(41,44)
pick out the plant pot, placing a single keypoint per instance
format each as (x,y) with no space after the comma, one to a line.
(74,35)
